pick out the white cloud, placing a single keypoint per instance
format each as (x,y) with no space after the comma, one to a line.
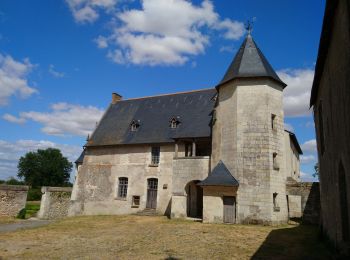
(13,78)
(54,72)
(10,152)
(297,93)
(159,33)
(64,119)
(14,119)
(228,48)
(309,146)
(306,159)
(307,177)
(87,11)
(167,32)
(102,42)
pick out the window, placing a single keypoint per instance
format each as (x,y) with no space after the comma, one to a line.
(276,208)
(122,187)
(273,122)
(174,122)
(135,201)
(135,124)
(155,155)
(320,123)
(275,162)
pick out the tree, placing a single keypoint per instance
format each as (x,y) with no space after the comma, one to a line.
(316,173)
(44,168)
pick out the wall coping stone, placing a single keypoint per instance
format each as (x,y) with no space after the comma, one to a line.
(192,157)
(14,187)
(56,189)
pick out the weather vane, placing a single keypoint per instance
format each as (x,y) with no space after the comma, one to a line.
(249,25)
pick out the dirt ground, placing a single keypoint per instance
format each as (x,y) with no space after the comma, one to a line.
(137,237)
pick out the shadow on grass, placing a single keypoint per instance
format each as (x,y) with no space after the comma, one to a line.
(299,242)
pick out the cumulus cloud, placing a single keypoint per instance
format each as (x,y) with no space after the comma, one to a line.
(309,146)
(159,32)
(10,152)
(13,78)
(13,119)
(54,72)
(307,177)
(305,159)
(87,11)
(63,119)
(297,93)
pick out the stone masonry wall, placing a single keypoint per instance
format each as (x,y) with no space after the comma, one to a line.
(185,170)
(310,200)
(12,199)
(244,141)
(55,202)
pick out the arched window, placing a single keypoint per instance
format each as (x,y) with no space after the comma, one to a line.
(134,125)
(122,187)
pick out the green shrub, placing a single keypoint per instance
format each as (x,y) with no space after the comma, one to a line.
(34,194)
(22,214)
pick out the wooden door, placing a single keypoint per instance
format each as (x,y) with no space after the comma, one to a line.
(152,188)
(229,209)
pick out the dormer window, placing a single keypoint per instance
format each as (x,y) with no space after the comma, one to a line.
(174,122)
(134,126)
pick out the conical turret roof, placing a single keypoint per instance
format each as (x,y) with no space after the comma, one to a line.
(250,62)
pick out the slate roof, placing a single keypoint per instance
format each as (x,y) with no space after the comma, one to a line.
(81,158)
(220,176)
(295,141)
(192,109)
(250,62)
(326,36)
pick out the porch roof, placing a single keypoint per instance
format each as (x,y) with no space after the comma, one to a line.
(220,176)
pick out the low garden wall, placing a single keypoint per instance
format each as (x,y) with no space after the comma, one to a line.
(55,202)
(307,195)
(12,199)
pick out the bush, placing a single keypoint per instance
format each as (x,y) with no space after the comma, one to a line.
(34,194)
(22,214)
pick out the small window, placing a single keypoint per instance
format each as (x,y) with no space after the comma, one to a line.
(174,122)
(134,126)
(122,187)
(320,123)
(276,208)
(135,201)
(275,161)
(155,155)
(273,122)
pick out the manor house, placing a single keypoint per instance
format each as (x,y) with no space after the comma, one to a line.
(219,154)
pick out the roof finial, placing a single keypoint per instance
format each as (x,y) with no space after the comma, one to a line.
(249,25)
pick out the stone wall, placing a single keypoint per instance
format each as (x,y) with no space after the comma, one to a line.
(95,189)
(186,170)
(55,202)
(332,105)
(308,193)
(291,159)
(245,141)
(12,199)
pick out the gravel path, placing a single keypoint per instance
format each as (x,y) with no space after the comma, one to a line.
(30,223)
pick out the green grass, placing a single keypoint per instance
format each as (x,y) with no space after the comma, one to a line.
(32,207)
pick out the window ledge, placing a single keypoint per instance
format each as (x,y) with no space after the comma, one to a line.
(135,206)
(153,165)
(123,199)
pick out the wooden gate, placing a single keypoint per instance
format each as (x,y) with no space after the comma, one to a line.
(152,188)
(229,209)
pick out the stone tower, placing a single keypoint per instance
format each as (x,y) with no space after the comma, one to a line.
(248,134)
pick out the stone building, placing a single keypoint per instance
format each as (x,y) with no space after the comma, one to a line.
(218,154)
(330,99)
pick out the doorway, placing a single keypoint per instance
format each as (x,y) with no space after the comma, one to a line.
(152,190)
(194,200)
(229,209)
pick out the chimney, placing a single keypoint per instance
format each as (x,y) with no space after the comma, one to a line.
(116,97)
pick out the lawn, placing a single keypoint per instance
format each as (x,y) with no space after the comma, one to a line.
(32,207)
(136,237)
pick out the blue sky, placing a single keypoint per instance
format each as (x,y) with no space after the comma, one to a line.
(61,60)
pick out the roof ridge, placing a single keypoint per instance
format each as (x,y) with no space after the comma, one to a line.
(168,94)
